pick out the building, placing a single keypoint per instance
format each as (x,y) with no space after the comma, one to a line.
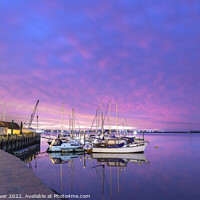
(6,127)
(3,130)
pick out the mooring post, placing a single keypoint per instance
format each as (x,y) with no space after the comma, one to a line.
(12,126)
(21,128)
(11,147)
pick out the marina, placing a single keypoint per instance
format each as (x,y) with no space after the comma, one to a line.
(99,100)
(117,176)
(103,164)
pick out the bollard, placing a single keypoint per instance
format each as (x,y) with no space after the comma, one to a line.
(12,126)
(21,128)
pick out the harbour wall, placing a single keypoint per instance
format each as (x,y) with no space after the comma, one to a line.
(17,180)
(11,143)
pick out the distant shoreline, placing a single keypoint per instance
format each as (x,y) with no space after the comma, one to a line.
(171,132)
(130,131)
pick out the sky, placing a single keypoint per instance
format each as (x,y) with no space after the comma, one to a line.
(144,54)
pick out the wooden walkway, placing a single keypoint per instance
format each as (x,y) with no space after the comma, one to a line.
(17,179)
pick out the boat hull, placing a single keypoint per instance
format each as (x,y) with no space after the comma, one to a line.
(67,147)
(135,148)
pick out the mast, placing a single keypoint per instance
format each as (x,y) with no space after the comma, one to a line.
(96,119)
(101,117)
(126,126)
(123,126)
(69,121)
(72,121)
(62,118)
(117,117)
(109,119)
(37,119)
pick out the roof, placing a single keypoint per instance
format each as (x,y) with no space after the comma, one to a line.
(2,126)
(9,125)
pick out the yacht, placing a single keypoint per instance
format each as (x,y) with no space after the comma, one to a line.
(59,145)
(118,145)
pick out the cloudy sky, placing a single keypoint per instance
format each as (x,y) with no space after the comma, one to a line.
(143,53)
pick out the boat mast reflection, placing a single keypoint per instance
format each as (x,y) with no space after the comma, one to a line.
(62,158)
(119,161)
(100,163)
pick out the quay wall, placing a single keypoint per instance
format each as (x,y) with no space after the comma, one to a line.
(17,179)
(11,143)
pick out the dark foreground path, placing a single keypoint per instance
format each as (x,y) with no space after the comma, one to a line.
(17,180)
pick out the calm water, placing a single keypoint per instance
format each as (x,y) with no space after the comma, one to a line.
(171,171)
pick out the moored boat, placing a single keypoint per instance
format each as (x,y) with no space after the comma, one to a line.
(58,145)
(118,145)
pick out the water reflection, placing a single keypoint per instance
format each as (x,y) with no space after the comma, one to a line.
(100,163)
(170,171)
(120,160)
(110,160)
(62,158)
(29,154)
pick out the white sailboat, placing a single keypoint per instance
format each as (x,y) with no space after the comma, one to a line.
(117,144)
(64,145)
(69,146)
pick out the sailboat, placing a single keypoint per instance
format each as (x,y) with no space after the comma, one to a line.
(64,145)
(117,144)
(58,145)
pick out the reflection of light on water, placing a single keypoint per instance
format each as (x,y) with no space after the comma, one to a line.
(135,132)
(126,174)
